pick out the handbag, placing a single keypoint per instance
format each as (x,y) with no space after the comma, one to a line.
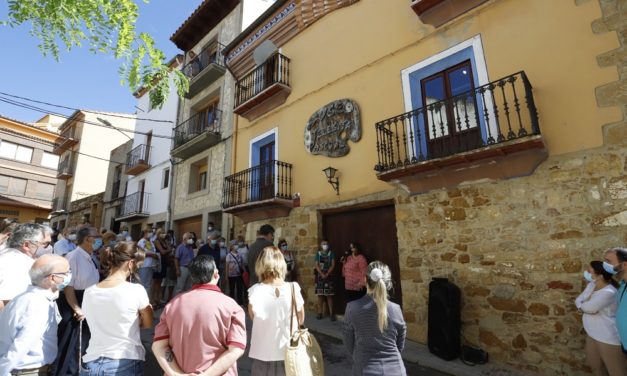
(303,356)
(245,275)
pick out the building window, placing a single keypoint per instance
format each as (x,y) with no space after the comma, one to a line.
(438,81)
(165,179)
(50,160)
(17,152)
(12,185)
(44,191)
(198,176)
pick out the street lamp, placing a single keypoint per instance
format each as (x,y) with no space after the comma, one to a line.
(330,172)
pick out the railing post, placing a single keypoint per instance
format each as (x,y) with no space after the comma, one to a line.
(533,111)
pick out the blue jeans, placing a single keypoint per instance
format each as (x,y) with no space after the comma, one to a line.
(145,277)
(113,367)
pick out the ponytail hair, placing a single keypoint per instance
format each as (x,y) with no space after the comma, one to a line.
(379,282)
(111,259)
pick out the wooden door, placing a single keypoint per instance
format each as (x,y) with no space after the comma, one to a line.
(191,224)
(450,116)
(266,171)
(375,230)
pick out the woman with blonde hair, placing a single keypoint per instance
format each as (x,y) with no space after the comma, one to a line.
(374,328)
(116,309)
(270,307)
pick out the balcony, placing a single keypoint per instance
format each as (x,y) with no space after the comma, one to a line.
(491,132)
(264,88)
(196,134)
(204,69)
(58,206)
(65,169)
(439,12)
(137,160)
(115,190)
(135,206)
(66,139)
(260,192)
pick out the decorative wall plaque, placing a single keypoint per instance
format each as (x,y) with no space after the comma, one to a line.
(329,129)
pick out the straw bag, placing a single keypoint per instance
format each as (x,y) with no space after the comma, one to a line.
(303,356)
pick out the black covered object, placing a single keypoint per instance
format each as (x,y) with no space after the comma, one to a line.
(444,319)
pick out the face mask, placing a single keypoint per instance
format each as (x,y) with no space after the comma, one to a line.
(222,244)
(72,237)
(97,243)
(112,244)
(325,247)
(588,276)
(608,267)
(154,230)
(284,247)
(190,241)
(209,228)
(214,242)
(66,281)
(241,244)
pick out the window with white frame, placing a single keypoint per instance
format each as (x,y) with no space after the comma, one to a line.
(12,185)
(44,191)
(17,152)
(50,160)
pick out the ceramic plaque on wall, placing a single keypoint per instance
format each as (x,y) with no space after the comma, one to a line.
(330,128)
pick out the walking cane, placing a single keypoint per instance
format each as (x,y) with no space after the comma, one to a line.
(80,345)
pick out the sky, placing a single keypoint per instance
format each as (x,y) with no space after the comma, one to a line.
(79,79)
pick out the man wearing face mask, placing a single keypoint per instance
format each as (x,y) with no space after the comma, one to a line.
(45,248)
(66,245)
(621,311)
(84,274)
(182,257)
(17,259)
(212,248)
(28,344)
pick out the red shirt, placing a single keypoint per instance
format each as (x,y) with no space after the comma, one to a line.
(354,272)
(200,325)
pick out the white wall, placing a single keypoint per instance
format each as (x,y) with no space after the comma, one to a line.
(253,9)
(160,149)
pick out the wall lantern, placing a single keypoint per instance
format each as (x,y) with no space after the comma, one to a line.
(330,174)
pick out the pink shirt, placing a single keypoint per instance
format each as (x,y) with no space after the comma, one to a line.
(199,325)
(354,272)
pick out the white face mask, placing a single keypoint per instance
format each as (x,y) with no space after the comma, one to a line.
(72,237)
(190,241)
(325,247)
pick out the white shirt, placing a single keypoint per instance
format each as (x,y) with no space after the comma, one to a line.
(14,278)
(599,313)
(29,331)
(148,247)
(84,272)
(113,318)
(271,332)
(63,246)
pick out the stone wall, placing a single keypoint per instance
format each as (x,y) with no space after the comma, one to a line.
(90,206)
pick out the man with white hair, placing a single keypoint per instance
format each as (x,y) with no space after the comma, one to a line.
(46,248)
(28,324)
(17,259)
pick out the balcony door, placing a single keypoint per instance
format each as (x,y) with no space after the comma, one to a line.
(266,171)
(450,117)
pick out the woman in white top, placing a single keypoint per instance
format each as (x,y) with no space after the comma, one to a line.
(598,304)
(270,303)
(115,310)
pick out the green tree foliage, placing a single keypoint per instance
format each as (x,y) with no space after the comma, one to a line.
(107,27)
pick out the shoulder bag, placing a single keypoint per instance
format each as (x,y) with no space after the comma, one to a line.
(244,272)
(303,356)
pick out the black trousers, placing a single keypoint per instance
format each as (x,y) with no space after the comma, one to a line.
(354,295)
(236,283)
(66,363)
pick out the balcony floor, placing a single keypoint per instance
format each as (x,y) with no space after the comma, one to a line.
(268,99)
(258,210)
(205,78)
(196,145)
(140,167)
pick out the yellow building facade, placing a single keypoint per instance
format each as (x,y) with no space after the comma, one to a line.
(513,219)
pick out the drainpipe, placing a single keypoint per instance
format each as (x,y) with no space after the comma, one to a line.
(168,217)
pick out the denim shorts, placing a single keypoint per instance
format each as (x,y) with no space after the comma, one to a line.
(113,367)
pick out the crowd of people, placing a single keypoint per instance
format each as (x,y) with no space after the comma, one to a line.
(77,306)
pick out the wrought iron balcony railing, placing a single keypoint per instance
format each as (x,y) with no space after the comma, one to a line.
(205,121)
(139,155)
(274,70)
(210,55)
(268,180)
(65,167)
(135,203)
(500,111)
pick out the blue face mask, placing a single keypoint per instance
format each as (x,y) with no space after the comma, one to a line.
(97,243)
(66,281)
(214,242)
(588,276)
(608,267)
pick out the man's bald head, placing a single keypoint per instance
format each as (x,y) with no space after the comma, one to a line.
(43,269)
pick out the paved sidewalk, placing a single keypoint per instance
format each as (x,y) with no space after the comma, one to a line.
(417,353)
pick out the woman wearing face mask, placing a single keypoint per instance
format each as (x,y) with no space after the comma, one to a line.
(325,264)
(598,305)
(158,275)
(290,261)
(182,257)
(354,271)
(116,309)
